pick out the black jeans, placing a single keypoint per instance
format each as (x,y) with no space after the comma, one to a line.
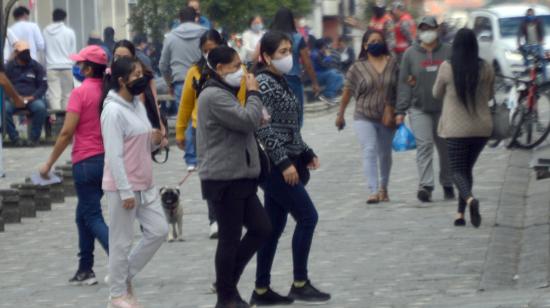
(236,205)
(280,200)
(463,154)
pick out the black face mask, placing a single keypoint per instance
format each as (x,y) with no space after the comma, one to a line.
(25,56)
(137,86)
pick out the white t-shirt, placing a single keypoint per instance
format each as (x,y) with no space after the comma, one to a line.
(250,43)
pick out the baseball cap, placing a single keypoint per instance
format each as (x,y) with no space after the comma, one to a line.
(21,45)
(429,21)
(92,53)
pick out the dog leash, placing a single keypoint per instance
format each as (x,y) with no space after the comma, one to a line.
(185,178)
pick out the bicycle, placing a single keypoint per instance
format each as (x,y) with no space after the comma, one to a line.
(529,103)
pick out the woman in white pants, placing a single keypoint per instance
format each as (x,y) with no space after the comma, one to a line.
(129,140)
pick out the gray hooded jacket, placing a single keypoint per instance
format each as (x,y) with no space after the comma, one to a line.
(423,66)
(181,50)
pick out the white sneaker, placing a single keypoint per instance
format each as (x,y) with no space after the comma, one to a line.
(106,279)
(191,168)
(121,302)
(214,230)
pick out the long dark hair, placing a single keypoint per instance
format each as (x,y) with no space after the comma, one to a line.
(269,44)
(284,21)
(149,102)
(219,55)
(210,35)
(363,55)
(465,63)
(121,68)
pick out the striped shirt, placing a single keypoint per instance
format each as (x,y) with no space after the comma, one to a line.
(371,89)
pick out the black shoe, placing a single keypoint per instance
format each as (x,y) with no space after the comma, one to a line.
(18,143)
(269,298)
(424,195)
(449,192)
(83,279)
(308,294)
(460,222)
(475,217)
(32,143)
(237,303)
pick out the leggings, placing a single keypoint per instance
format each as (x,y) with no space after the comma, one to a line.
(463,154)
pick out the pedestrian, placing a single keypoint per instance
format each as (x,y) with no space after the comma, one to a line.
(530,38)
(82,127)
(25,30)
(405,29)
(465,83)
(29,80)
(326,66)
(347,55)
(372,81)
(188,110)
(179,52)
(229,167)
(60,42)
(383,22)
(129,140)
(109,38)
(251,38)
(141,44)
(202,20)
(284,184)
(418,71)
(284,22)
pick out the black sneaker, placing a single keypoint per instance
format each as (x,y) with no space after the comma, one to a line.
(269,298)
(308,294)
(424,195)
(83,279)
(449,193)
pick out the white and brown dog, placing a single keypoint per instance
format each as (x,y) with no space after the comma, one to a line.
(173,210)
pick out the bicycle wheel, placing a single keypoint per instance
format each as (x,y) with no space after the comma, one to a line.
(531,127)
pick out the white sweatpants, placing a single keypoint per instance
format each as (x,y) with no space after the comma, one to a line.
(60,85)
(123,263)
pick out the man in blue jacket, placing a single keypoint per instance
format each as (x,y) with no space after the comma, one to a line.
(29,80)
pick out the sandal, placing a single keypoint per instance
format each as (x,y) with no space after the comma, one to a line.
(475,217)
(373,199)
(383,195)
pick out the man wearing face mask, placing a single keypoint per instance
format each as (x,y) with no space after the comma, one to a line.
(29,80)
(531,32)
(382,21)
(418,71)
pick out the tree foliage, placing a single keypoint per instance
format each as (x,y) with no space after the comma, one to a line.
(155,16)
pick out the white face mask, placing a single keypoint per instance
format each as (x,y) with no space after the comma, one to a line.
(428,36)
(234,79)
(283,65)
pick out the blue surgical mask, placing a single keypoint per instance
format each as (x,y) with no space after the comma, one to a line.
(77,73)
(257,27)
(530,17)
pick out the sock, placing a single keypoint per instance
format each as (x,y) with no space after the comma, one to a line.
(261,291)
(299,284)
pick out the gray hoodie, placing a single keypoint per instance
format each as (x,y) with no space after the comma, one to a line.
(181,50)
(423,66)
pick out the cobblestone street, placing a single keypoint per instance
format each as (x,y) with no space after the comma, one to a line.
(398,254)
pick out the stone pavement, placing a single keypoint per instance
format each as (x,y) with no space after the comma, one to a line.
(399,254)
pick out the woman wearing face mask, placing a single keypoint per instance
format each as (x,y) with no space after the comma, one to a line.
(417,74)
(372,80)
(129,140)
(186,138)
(284,187)
(229,168)
(251,38)
(82,127)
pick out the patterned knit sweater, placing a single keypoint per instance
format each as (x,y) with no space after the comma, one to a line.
(281,137)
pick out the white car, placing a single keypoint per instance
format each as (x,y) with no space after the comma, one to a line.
(496,28)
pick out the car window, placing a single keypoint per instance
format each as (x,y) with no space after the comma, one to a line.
(510,26)
(482,24)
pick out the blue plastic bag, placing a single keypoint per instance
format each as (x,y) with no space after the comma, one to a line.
(403,139)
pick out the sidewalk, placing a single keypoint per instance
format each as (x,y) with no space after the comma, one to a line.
(399,254)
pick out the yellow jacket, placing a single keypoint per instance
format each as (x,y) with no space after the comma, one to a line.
(189,103)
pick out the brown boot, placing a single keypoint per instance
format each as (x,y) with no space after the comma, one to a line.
(374,198)
(383,195)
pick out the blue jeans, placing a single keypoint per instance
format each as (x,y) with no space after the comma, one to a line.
(38,112)
(178,89)
(190,155)
(332,81)
(88,175)
(295,84)
(534,49)
(280,199)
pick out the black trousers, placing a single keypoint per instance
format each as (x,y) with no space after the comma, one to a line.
(236,205)
(463,154)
